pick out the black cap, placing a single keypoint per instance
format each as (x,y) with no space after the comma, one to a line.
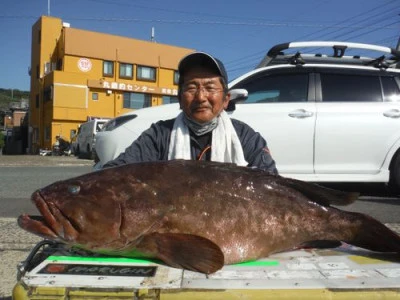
(202,59)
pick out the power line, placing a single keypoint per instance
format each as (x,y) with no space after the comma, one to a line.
(325,36)
(352,18)
(203,22)
(372,20)
(361,26)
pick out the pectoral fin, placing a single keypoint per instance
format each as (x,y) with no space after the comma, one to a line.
(186,251)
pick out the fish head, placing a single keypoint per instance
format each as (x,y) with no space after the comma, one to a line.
(117,212)
(85,210)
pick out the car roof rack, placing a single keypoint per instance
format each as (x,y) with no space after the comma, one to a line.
(276,55)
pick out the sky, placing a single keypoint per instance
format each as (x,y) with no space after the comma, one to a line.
(238,32)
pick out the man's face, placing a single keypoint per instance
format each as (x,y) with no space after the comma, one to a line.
(202,96)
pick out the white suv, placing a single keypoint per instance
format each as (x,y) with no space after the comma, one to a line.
(326,118)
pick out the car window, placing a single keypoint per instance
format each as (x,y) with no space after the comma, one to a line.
(276,88)
(350,88)
(391,90)
(99,126)
(118,121)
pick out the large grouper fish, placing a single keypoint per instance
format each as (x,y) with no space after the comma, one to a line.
(198,215)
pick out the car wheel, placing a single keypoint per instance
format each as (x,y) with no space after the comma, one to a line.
(89,152)
(93,155)
(80,154)
(394,181)
(96,158)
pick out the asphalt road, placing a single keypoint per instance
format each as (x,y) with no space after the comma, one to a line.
(19,177)
(22,175)
(18,183)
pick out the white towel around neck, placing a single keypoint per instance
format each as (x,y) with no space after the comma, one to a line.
(225,145)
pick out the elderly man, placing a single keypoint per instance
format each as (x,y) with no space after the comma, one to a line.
(203,130)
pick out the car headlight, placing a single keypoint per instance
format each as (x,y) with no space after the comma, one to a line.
(116,122)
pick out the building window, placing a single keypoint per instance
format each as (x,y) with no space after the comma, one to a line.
(59,64)
(47,94)
(176,77)
(47,133)
(35,135)
(39,36)
(146,73)
(95,96)
(125,70)
(169,99)
(136,100)
(108,68)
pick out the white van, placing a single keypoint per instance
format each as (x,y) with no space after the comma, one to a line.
(86,137)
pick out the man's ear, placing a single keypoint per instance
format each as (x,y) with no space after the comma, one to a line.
(227,98)
(180,98)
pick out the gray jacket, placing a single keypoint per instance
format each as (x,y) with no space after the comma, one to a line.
(153,145)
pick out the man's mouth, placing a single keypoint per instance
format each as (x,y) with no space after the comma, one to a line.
(201,108)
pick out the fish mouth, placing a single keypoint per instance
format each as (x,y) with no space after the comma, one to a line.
(52,224)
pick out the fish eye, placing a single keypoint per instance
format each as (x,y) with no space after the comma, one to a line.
(74,189)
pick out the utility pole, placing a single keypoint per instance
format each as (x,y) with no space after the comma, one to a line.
(48,7)
(152,33)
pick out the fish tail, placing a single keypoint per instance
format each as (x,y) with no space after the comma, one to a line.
(368,233)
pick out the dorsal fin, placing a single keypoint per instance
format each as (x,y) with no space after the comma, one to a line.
(320,194)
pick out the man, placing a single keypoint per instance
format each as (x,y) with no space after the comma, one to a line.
(203,130)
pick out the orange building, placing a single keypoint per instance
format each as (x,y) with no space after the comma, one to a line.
(77,75)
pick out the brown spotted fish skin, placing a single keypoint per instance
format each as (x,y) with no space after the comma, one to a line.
(198,215)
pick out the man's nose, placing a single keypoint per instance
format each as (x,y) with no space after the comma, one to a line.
(201,93)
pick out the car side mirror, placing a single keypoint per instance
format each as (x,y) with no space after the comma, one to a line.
(237,96)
